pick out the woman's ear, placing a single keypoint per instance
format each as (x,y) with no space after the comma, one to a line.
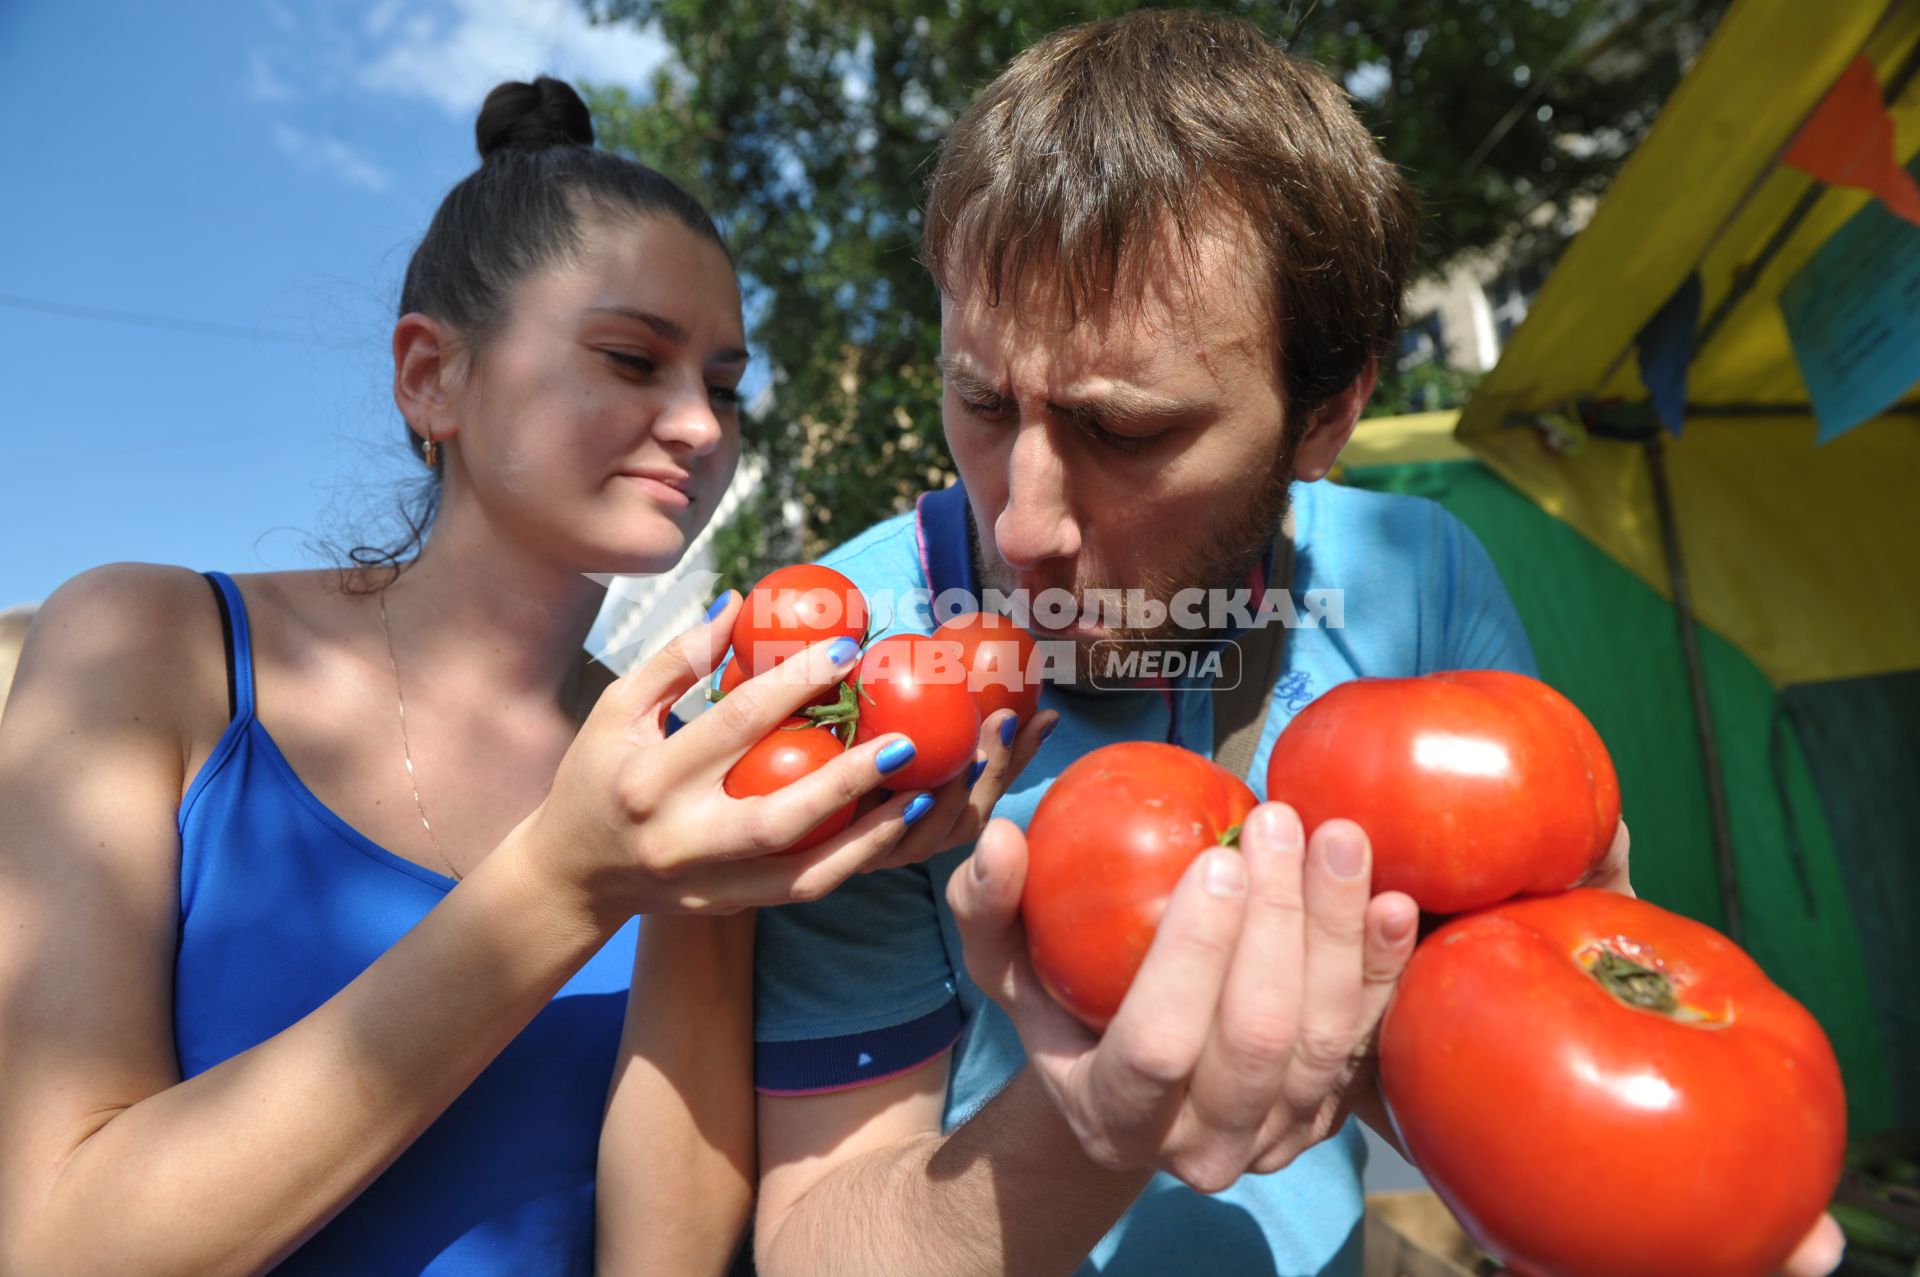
(424,355)
(1332,425)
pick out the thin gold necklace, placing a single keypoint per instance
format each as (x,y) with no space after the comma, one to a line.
(406,748)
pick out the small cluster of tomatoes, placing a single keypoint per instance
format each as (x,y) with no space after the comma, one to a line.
(1596,1087)
(935,689)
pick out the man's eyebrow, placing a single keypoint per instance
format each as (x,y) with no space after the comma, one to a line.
(672,330)
(1114,402)
(966,378)
(1119,402)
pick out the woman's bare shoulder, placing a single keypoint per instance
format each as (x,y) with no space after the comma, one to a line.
(125,642)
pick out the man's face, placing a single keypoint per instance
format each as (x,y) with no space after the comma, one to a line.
(1141,448)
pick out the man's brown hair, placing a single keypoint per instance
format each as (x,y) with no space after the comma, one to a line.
(1098,137)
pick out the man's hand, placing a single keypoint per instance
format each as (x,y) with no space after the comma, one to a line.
(1611,873)
(1247,1028)
(1819,1254)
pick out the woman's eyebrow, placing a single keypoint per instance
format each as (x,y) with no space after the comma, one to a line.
(671,329)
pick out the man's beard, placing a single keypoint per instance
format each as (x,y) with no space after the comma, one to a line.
(1220,562)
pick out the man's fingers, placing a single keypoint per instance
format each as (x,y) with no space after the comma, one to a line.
(1611,873)
(1819,1252)
(984,894)
(1392,921)
(1253,1034)
(1338,872)
(1137,1078)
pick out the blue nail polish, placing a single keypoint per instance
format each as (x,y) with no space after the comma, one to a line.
(894,756)
(920,806)
(720,604)
(842,651)
(973,772)
(1048,729)
(1008,730)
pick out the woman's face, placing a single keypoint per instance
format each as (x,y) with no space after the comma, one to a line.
(600,425)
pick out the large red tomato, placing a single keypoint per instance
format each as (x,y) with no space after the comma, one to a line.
(793,608)
(1474,786)
(795,749)
(998,656)
(1599,1088)
(911,684)
(1105,849)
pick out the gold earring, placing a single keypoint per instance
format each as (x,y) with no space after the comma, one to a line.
(430,453)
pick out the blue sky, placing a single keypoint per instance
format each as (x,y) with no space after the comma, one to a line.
(208,209)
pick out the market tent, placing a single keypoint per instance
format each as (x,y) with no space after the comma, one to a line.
(1799,557)
(1610,642)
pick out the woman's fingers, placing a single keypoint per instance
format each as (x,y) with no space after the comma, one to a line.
(715,739)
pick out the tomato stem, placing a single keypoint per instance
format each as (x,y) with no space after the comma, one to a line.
(843,715)
(1230,836)
(1634,984)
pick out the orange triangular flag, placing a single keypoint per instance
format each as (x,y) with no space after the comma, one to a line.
(1848,141)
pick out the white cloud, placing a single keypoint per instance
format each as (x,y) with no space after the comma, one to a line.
(451,52)
(331,155)
(262,84)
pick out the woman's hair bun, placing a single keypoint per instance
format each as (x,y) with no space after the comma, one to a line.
(532,117)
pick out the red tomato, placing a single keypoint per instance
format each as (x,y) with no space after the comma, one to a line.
(1599,1088)
(909,683)
(793,608)
(1105,849)
(794,749)
(996,654)
(1475,786)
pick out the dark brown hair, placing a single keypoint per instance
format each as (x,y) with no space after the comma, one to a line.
(520,212)
(1101,137)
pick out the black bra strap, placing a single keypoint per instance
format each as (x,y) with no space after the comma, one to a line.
(226,634)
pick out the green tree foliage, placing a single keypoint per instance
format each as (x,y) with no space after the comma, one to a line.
(809,127)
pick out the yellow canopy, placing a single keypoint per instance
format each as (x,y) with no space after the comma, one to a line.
(1805,557)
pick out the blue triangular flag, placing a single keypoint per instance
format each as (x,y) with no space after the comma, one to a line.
(1666,348)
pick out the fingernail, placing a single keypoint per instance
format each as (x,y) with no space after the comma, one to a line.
(1008,730)
(842,651)
(1396,927)
(920,806)
(1048,729)
(894,755)
(979,863)
(973,772)
(1346,853)
(1280,825)
(1225,874)
(720,604)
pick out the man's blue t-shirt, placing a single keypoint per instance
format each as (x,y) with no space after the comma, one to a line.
(869,982)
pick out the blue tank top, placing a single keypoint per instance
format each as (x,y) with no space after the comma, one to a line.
(282,903)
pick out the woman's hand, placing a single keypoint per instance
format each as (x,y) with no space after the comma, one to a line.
(963,805)
(638,823)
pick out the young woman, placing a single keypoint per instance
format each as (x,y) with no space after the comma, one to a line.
(316,920)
